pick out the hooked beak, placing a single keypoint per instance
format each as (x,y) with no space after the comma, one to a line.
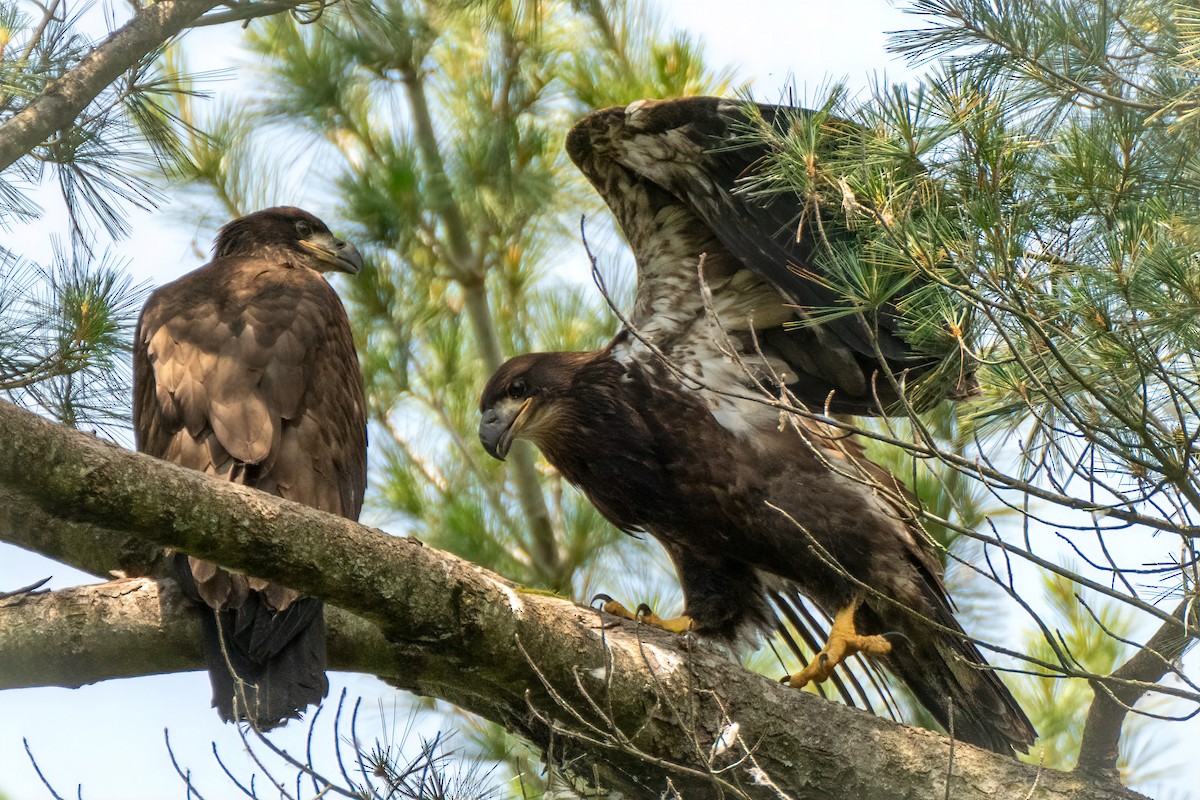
(341,256)
(498,428)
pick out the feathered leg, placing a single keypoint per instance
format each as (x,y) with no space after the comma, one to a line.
(266,666)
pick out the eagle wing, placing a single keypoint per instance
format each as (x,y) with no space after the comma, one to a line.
(674,173)
(249,373)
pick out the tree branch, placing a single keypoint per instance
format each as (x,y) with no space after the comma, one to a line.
(638,710)
(73,637)
(93,549)
(245,11)
(1098,749)
(139,626)
(62,101)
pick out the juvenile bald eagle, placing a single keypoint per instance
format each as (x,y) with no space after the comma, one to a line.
(245,369)
(665,430)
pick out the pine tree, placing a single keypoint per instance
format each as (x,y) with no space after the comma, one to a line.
(1040,182)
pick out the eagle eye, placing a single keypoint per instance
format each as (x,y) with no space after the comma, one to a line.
(303,228)
(518,389)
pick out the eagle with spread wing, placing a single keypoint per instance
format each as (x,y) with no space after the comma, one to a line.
(245,369)
(666,432)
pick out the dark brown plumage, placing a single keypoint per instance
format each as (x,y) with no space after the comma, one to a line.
(245,369)
(665,432)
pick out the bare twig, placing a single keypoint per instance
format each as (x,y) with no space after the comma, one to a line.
(38,770)
(31,588)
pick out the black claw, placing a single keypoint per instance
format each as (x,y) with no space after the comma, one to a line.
(642,610)
(603,598)
(824,659)
(896,635)
(785,679)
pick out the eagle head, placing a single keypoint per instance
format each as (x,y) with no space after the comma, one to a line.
(292,230)
(530,397)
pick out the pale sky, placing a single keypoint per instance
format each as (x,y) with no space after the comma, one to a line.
(109,736)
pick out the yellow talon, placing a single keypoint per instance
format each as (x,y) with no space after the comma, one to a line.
(844,641)
(681,624)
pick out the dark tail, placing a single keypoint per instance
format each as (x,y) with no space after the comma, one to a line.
(266,666)
(949,677)
(253,677)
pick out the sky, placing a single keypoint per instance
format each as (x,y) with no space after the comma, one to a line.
(110,736)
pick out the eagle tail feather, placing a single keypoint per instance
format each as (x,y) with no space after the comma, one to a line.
(950,678)
(265,686)
(265,666)
(264,633)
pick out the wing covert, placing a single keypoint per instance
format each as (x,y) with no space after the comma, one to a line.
(235,366)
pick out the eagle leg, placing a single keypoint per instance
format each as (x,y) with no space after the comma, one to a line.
(681,624)
(844,641)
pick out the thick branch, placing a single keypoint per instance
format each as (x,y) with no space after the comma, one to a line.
(540,666)
(62,101)
(90,548)
(138,626)
(78,636)
(1112,700)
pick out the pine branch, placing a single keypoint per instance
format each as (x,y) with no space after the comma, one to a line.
(94,549)
(64,99)
(138,626)
(636,708)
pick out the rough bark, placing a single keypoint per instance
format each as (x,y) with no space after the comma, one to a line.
(97,550)
(637,710)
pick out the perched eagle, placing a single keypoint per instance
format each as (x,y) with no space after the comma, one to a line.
(245,369)
(665,429)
